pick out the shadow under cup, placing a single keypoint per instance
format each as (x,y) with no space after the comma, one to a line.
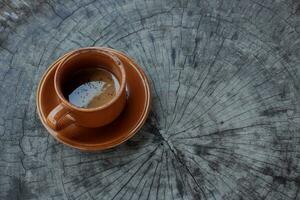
(66,113)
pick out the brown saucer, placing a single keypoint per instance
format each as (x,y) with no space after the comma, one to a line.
(124,127)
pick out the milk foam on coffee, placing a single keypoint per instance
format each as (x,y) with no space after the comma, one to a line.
(91,88)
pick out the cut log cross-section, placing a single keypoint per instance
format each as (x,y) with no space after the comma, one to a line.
(225,117)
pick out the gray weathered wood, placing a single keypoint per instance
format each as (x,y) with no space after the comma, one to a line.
(225,80)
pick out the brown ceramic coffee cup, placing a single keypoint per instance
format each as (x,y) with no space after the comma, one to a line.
(65,113)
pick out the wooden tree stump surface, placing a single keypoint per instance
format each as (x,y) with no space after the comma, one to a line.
(225,118)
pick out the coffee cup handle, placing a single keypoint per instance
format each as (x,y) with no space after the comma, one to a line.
(59,118)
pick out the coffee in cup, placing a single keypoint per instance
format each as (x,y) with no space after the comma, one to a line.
(90,84)
(91,87)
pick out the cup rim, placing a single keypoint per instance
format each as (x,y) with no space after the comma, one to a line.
(84,50)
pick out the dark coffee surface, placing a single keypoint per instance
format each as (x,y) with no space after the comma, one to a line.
(91,87)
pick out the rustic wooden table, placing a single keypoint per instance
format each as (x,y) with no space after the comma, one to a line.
(225,81)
